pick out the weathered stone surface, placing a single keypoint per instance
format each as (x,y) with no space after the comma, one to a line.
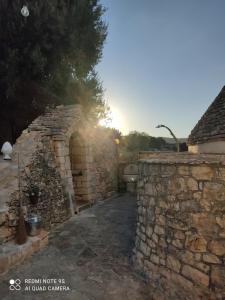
(177,185)
(202,172)
(221,221)
(173,263)
(195,275)
(196,243)
(178,243)
(192,184)
(159,230)
(214,191)
(217,247)
(149,231)
(2,217)
(205,223)
(59,155)
(155,259)
(184,170)
(188,229)
(218,276)
(179,235)
(211,258)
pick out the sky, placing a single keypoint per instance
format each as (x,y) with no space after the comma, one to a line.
(163,62)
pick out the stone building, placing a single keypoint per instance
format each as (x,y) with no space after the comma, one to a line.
(69,163)
(208,136)
(180,241)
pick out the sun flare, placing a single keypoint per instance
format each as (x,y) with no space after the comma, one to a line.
(115,120)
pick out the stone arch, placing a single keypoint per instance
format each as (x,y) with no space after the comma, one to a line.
(46,145)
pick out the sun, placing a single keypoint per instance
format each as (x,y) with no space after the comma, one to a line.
(115,120)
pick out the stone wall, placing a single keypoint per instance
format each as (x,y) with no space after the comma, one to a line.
(180,242)
(105,161)
(66,162)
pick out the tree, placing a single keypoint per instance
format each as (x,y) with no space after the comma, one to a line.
(136,141)
(49,56)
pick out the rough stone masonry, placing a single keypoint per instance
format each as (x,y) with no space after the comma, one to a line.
(66,161)
(180,242)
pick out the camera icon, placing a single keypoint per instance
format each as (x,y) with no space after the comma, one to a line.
(15,284)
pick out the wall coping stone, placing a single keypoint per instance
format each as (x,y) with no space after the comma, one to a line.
(180,158)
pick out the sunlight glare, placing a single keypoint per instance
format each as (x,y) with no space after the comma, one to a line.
(116,120)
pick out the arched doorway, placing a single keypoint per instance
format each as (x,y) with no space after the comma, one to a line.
(79,169)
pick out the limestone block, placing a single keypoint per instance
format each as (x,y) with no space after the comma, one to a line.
(183,170)
(220,173)
(151,243)
(144,248)
(222,234)
(190,206)
(179,235)
(178,244)
(173,263)
(139,258)
(143,229)
(196,243)
(161,220)
(195,275)
(155,238)
(151,201)
(214,191)
(197,256)
(168,171)
(218,276)
(211,258)
(153,169)
(192,184)
(155,259)
(187,257)
(217,247)
(162,243)
(152,268)
(163,204)
(159,230)
(5,232)
(150,189)
(203,267)
(177,224)
(149,231)
(202,172)
(205,223)
(177,185)
(221,221)
(2,217)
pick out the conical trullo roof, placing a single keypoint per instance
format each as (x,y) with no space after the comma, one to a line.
(211,127)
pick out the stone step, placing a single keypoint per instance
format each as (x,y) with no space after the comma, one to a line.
(12,254)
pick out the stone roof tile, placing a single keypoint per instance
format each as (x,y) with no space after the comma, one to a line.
(212,124)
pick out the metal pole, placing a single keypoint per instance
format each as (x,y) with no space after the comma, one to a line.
(173,135)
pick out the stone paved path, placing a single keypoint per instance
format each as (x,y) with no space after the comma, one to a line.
(91,252)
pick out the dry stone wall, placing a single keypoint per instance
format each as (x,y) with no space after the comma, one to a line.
(180,242)
(63,160)
(105,159)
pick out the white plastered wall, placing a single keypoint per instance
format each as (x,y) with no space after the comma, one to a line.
(209,147)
